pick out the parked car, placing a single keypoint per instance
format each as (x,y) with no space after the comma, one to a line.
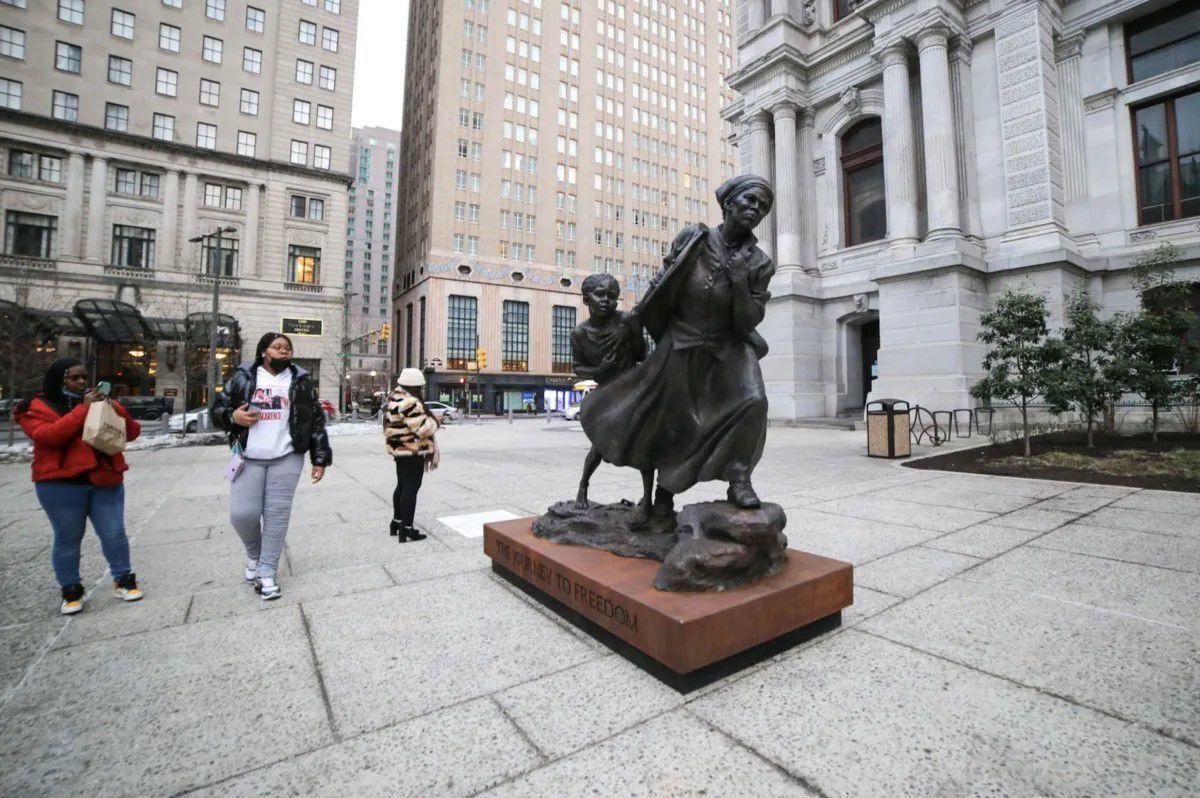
(148,408)
(444,413)
(195,420)
(571,413)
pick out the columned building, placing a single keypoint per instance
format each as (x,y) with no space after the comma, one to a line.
(129,135)
(929,155)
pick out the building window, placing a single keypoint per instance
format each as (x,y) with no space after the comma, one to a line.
(299,152)
(122,24)
(322,156)
(212,49)
(210,92)
(215,9)
(311,208)
(308,32)
(249,102)
(65,106)
(120,70)
(408,335)
(149,185)
(461,331)
(70,11)
(166,82)
(333,6)
(252,60)
(168,38)
(304,265)
(68,57)
(29,234)
(116,117)
(164,127)
(12,42)
(1163,41)
(173,3)
(329,39)
(421,333)
(1167,154)
(10,94)
(35,166)
(247,143)
(217,195)
(132,247)
(301,110)
(223,264)
(206,135)
(562,355)
(304,71)
(515,336)
(862,183)
(256,19)
(127,181)
(325,117)
(328,78)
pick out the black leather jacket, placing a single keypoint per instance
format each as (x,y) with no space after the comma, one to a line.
(306,419)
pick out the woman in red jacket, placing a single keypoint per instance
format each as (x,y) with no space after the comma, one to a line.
(75,482)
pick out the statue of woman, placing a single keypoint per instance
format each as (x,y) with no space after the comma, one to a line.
(696,409)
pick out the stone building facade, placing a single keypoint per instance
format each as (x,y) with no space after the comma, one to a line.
(127,131)
(929,154)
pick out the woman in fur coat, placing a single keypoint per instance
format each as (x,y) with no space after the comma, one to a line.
(409,433)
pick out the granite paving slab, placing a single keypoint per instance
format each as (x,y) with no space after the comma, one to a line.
(1146,548)
(908,572)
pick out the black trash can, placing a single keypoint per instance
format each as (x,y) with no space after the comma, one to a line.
(887,428)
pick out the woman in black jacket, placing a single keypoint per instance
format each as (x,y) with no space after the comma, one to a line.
(272,415)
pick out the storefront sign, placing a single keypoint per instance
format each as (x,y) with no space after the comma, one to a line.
(170,392)
(309,327)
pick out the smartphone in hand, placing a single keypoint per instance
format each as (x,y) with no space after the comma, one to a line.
(104,388)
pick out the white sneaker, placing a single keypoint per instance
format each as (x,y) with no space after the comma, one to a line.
(267,588)
(251,570)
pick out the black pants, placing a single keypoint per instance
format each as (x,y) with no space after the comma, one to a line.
(409,473)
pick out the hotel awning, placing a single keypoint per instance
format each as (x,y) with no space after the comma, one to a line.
(168,329)
(113,322)
(199,329)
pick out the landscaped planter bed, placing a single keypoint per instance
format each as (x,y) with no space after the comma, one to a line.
(1173,463)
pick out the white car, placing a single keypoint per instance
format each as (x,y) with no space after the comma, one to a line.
(444,413)
(196,420)
(571,413)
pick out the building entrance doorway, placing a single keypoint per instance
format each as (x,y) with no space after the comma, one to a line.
(869,342)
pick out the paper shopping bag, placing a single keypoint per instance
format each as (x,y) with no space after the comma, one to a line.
(104,429)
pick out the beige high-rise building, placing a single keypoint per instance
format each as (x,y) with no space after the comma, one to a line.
(543,142)
(128,129)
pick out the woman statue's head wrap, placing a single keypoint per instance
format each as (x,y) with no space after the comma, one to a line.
(736,185)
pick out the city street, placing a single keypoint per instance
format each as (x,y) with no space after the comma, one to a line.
(1007,637)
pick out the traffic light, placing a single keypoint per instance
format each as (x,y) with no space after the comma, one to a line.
(385,332)
(481,358)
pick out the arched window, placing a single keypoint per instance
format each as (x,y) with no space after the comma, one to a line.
(862,182)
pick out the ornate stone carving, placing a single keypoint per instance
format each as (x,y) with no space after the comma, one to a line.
(1100,101)
(850,99)
(809,13)
(1138,236)
(818,167)
(1068,47)
(861,302)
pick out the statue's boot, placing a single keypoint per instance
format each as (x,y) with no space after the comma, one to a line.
(664,503)
(742,494)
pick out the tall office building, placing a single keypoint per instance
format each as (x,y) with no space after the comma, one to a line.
(128,129)
(370,250)
(543,142)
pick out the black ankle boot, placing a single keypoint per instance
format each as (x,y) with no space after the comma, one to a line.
(412,533)
(395,528)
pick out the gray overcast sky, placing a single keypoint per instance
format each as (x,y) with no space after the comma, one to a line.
(379,63)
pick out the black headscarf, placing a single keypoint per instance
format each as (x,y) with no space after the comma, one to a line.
(52,385)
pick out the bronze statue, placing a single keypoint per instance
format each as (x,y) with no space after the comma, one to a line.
(696,409)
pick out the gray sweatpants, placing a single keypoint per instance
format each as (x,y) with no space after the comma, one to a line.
(260,507)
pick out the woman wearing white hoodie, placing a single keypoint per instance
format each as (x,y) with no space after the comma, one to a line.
(409,433)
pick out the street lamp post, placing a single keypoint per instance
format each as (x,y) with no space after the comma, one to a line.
(213,328)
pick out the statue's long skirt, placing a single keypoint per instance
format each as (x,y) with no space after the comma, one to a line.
(693,414)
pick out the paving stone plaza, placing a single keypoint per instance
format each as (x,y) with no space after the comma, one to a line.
(1008,637)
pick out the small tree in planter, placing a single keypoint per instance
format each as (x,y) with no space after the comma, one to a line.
(1021,357)
(1087,379)
(1153,340)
